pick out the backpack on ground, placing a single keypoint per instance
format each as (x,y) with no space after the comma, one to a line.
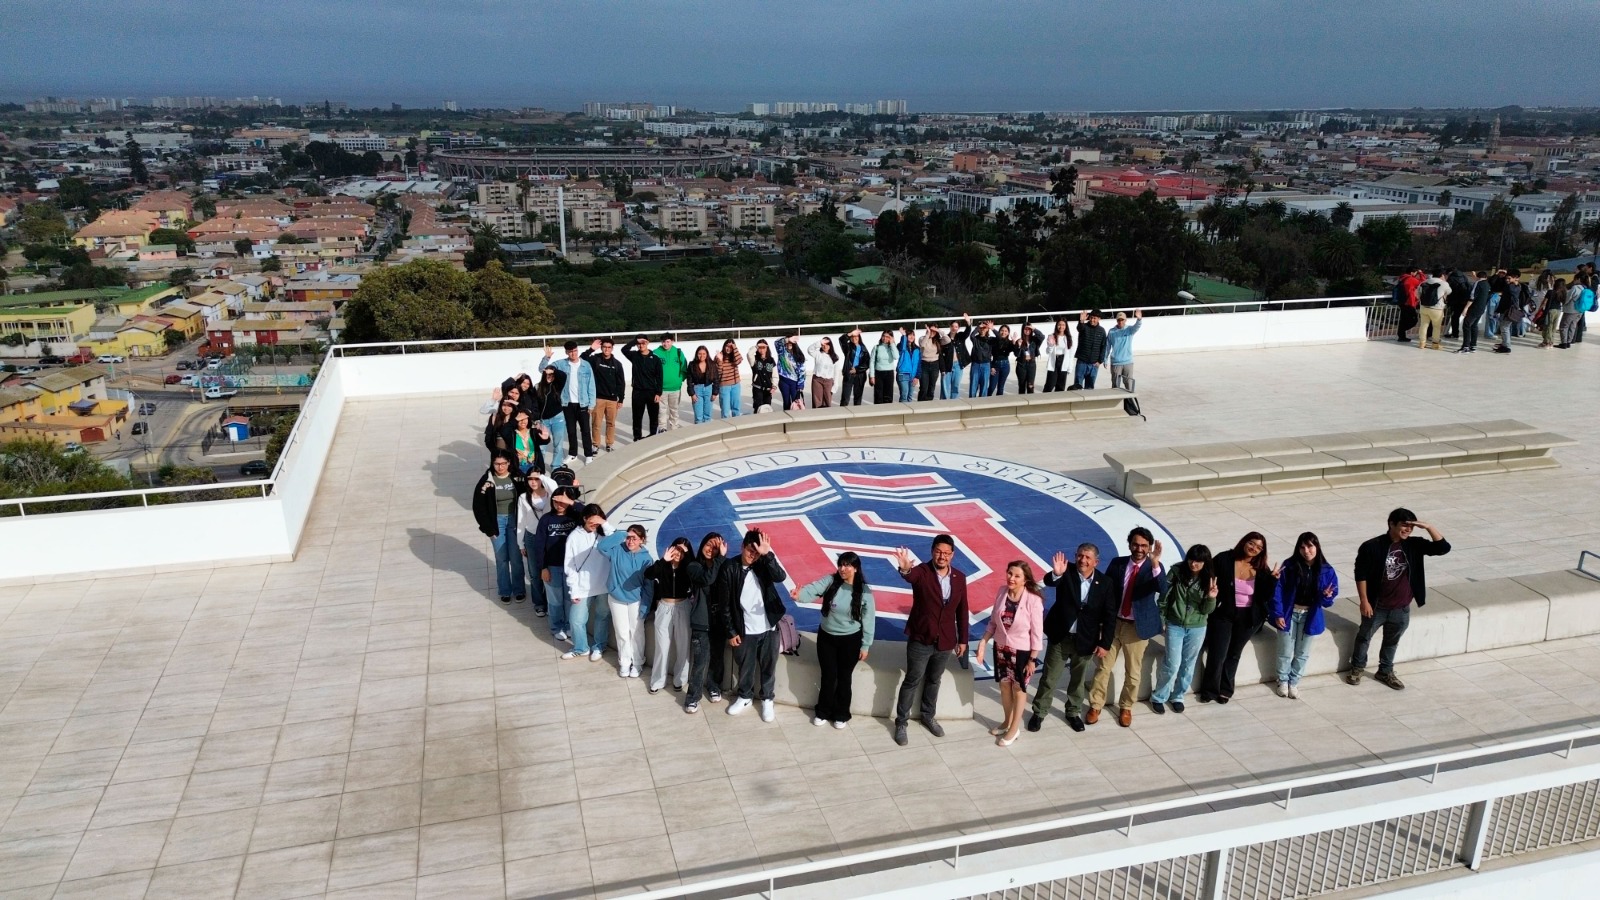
(1130,404)
(1428,294)
(788,636)
(563,476)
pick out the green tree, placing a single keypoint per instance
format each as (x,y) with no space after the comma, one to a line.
(418,301)
(42,223)
(1337,255)
(1384,240)
(886,235)
(32,467)
(506,305)
(242,246)
(173,236)
(271,264)
(1343,214)
(135,159)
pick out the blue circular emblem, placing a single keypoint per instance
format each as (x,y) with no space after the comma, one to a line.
(815,504)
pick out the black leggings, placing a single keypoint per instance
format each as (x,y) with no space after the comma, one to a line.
(883,382)
(837,657)
(1228,632)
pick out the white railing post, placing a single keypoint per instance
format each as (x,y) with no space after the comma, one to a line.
(1477,833)
(1216,882)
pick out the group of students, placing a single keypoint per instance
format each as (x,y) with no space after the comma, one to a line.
(570,407)
(1457,304)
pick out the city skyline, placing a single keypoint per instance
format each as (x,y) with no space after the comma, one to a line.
(938,55)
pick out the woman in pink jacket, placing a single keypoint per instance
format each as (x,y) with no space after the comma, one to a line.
(1016,625)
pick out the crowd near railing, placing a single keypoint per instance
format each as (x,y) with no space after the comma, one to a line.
(1302,837)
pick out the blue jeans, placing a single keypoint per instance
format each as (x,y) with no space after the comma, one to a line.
(558,438)
(1394,623)
(507,560)
(997,380)
(555,593)
(729,398)
(1294,648)
(950,383)
(978,383)
(580,613)
(1083,375)
(904,380)
(535,583)
(1177,667)
(702,403)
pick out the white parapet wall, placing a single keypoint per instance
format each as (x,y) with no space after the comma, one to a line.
(44,547)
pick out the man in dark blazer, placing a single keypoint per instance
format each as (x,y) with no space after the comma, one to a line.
(1079,627)
(935,629)
(1137,582)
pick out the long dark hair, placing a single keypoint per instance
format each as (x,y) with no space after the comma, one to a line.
(761,345)
(1261,558)
(729,350)
(1197,553)
(858,607)
(1318,561)
(706,541)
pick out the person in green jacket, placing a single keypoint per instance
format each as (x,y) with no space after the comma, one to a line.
(1191,596)
(674,372)
(843,638)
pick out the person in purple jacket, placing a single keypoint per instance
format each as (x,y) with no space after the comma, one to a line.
(1306,586)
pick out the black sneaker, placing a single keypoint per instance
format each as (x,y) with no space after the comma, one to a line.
(1035,722)
(1390,679)
(522,598)
(1177,706)
(1158,707)
(506,600)
(1076,723)
(900,734)
(541,611)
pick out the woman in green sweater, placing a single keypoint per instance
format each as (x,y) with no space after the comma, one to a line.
(844,636)
(1191,596)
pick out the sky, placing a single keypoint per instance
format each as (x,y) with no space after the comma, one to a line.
(940,55)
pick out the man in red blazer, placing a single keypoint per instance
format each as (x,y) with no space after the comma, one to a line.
(936,628)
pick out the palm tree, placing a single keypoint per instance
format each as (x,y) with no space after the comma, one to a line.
(1343,215)
(1338,254)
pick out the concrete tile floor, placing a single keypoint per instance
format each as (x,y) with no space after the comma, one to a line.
(367,721)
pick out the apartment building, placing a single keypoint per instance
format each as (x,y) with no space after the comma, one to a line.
(500,193)
(599,218)
(750,215)
(541,198)
(678,217)
(508,221)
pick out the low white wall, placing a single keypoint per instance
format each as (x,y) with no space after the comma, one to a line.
(43,547)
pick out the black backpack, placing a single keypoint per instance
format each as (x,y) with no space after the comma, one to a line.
(1428,294)
(1130,404)
(563,476)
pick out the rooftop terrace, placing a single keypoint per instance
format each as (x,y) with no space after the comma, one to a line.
(367,716)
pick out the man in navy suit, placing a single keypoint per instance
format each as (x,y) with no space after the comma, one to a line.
(1080,627)
(1137,582)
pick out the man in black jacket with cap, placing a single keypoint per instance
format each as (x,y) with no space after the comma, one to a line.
(1079,628)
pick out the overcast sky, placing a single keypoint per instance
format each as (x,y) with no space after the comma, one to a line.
(722,54)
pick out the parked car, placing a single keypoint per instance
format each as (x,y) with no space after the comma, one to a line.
(147,409)
(174,379)
(72,447)
(220,393)
(141,428)
(27,370)
(184,365)
(110,358)
(52,361)
(214,364)
(190,380)
(257,468)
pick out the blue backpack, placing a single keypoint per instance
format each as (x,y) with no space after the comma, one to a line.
(1585,301)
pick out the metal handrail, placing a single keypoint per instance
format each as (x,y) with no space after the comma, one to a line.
(1557,743)
(146,493)
(1313,303)
(1583,556)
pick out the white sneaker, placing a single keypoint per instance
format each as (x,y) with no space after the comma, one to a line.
(570,654)
(818,721)
(588,459)
(841,725)
(1294,692)
(622,673)
(563,637)
(1282,689)
(767,715)
(738,706)
(633,671)
(595,654)
(692,708)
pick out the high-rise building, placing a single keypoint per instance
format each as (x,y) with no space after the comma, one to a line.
(891,107)
(450,106)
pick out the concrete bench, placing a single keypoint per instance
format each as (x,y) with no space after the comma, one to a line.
(1221,471)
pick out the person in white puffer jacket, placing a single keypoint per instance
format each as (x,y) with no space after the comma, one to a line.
(587,571)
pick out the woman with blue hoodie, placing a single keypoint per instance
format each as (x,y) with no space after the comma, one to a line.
(629,557)
(1306,586)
